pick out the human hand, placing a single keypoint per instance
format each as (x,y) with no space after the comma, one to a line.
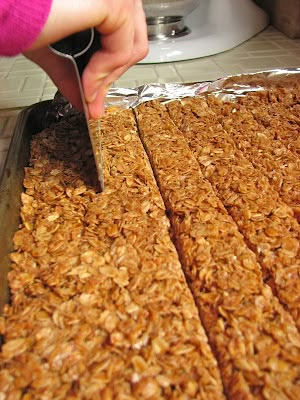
(122,26)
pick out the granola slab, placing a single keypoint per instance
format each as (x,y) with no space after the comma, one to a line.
(100,307)
(181,280)
(238,310)
(267,223)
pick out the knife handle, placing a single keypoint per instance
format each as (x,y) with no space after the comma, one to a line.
(80,46)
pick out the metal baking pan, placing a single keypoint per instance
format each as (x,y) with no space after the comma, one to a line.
(30,121)
(38,116)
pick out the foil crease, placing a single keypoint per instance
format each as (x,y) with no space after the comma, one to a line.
(226,88)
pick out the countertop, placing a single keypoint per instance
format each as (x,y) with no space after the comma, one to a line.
(22,83)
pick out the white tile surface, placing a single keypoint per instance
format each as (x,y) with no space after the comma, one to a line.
(8,120)
(127,83)
(11,85)
(15,100)
(34,82)
(22,83)
(49,91)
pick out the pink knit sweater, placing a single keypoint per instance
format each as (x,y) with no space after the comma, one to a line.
(21,21)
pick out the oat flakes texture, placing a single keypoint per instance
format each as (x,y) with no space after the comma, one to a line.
(268,224)
(238,310)
(181,280)
(100,307)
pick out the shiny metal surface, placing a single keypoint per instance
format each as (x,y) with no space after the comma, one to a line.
(29,122)
(77,49)
(166,27)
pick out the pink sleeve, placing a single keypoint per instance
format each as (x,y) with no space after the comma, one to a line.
(21,21)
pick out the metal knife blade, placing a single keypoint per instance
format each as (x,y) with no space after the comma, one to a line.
(77,49)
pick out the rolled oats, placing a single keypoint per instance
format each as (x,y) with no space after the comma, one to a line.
(100,306)
(269,155)
(246,326)
(262,217)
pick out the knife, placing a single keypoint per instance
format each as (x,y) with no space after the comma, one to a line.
(78,49)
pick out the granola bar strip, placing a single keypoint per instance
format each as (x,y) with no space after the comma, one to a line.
(263,83)
(100,306)
(277,101)
(266,222)
(242,318)
(271,157)
(278,112)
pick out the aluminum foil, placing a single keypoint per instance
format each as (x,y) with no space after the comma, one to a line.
(227,88)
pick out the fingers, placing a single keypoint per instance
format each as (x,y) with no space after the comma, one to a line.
(123,45)
(123,30)
(141,46)
(116,49)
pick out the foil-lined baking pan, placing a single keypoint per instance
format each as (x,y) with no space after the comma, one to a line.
(37,117)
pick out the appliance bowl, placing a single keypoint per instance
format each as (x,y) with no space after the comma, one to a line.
(178,8)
